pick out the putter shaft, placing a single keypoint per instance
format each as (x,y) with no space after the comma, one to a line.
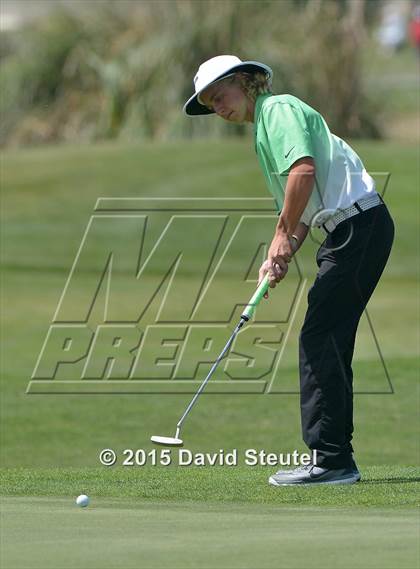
(204,383)
(246,315)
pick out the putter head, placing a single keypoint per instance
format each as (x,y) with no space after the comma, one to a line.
(167,441)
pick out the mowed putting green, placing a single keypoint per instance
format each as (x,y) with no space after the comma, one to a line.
(46,533)
(194,517)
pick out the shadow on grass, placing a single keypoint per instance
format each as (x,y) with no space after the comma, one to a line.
(391,480)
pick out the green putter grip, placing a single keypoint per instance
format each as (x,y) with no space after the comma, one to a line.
(255,300)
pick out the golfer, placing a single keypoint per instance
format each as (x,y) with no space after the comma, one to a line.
(316,179)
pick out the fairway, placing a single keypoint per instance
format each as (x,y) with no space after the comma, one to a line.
(48,533)
(210,517)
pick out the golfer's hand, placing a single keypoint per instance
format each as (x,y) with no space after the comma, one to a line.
(276,265)
(275,273)
(280,250)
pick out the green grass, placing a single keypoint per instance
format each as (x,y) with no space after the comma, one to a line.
(206,517)
(45,533)
(48,196)
(387,486)
(209,517)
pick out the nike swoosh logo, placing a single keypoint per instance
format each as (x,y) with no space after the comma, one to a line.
(286,155)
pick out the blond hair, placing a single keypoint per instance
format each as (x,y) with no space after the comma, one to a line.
(254,84)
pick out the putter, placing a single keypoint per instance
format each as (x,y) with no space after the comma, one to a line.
(246,315)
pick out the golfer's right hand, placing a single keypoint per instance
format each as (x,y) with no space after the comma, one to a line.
(276,272)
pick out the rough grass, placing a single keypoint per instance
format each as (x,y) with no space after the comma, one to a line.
(387,486)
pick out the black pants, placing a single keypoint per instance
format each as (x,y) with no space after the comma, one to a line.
(345,281)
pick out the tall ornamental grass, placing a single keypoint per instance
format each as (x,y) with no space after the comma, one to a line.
(122,70)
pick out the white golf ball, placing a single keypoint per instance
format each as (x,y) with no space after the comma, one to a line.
(82,500)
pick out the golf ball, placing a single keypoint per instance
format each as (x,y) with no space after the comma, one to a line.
(82,500)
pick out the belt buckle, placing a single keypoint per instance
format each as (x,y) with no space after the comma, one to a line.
(320,216)
(327,225)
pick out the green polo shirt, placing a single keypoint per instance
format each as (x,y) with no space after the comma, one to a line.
(284,130)
(287,129)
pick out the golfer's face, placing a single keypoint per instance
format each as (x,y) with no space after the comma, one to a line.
(227,100)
